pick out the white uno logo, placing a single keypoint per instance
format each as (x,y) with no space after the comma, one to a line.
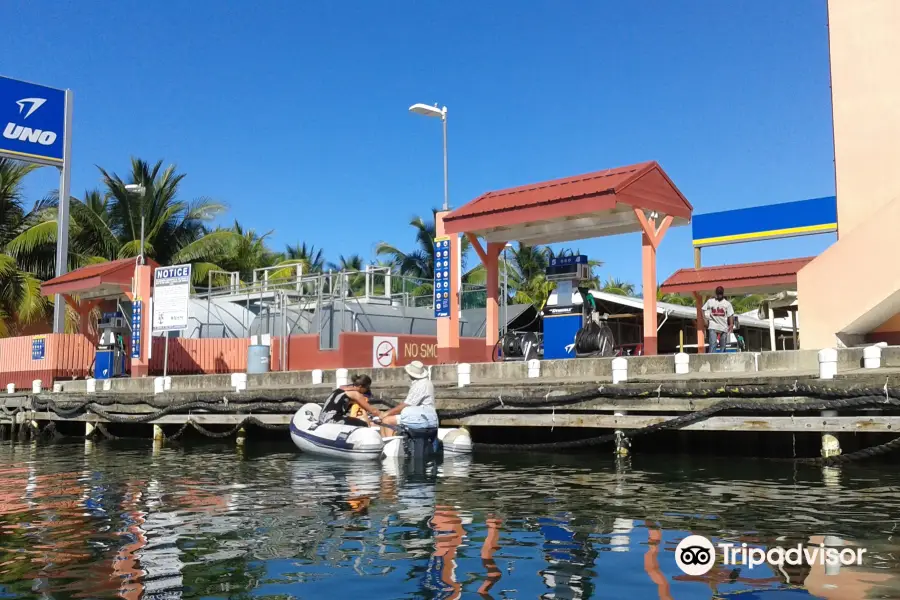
(695,555)
(27,134)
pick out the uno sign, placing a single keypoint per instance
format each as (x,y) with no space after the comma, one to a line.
(413,351)
(33,119)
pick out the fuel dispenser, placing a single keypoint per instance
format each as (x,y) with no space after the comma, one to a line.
(109,359)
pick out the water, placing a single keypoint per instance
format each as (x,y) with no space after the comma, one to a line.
(118,520)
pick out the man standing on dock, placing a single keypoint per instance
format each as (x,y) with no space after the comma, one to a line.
(719,315)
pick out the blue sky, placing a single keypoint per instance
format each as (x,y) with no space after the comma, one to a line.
(295,113)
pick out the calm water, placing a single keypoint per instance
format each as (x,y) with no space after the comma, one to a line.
(117,520)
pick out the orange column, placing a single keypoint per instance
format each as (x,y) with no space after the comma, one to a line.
(492,323)
(650,240)
(701,324)
(448,328)
(142,290)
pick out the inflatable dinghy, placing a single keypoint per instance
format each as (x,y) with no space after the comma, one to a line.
(334,439)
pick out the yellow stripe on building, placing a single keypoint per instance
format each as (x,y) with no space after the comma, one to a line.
(746,237)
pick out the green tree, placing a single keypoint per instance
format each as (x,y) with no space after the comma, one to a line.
(309,255)
(21,302)
(419,262)
(107,225)
(618,286)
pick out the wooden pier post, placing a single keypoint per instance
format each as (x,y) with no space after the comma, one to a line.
(830,444)
(622,443)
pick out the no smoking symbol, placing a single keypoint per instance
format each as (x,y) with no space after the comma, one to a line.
(384,354)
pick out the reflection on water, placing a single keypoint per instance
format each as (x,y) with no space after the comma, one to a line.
(117,520)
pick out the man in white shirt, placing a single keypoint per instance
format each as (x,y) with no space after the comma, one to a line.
(417,410)
(719,315)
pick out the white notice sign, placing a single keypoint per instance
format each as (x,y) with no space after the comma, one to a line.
(171,292)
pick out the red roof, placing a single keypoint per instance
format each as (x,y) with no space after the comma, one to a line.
(112,273)
(657,192)
(767,276)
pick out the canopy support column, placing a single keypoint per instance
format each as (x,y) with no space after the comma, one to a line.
(448,327)
(650,240)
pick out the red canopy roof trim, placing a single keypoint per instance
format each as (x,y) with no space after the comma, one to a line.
(595,195)
(96,281)
(761,277)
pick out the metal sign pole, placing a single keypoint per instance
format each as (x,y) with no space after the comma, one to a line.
(62,219)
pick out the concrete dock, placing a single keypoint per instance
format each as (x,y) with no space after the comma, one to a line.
(283,392)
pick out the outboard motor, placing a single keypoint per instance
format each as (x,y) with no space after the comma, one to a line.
(421,446)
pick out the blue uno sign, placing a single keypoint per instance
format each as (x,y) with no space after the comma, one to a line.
(442,288)
(32,118)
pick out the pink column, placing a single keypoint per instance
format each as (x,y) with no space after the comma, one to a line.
(448,328)
(650,240)
(492,325)
(143,281)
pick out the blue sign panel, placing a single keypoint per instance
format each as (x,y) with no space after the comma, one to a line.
(442,287)
(38,347)
(562,261)
(137,318)
(789,219)
(32,118)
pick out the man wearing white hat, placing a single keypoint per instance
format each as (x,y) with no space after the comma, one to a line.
(417,410)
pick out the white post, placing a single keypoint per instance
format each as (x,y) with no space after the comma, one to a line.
(167,382)
(827,363)
(239,381)
(772,342)
(90,385)
(619,369)
(872,357)
(57,387)
(317,376)
(463,374)
(342,377)
(158,435)
(534,368)
(107,385)
(158,385)
(88,428)
(10,388)
(682,363)
(36,386)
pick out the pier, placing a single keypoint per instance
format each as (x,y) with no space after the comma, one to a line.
(540,398)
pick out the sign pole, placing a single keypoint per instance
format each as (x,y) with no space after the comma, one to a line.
(62,219)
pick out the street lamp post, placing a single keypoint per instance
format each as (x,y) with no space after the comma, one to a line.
(434,111)
(137,188)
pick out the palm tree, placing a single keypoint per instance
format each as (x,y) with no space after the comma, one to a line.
(21,302)
(352,264)
(309,255)
(618,286)
(107,225)
(419,263)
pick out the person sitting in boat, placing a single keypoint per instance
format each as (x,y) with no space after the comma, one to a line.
(417,410)
(338,405)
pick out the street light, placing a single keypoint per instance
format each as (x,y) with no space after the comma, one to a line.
(137,188)
(441,113)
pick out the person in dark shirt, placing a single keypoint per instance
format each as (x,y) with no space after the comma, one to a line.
(339,403)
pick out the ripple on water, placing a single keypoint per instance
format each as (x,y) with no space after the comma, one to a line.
(197,521)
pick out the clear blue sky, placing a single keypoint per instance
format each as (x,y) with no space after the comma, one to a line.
(295,113)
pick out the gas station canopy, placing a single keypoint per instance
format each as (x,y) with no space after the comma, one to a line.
(768,277)
(584,206)
(101,281)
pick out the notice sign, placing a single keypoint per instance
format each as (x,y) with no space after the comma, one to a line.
(384,351)
(171,292)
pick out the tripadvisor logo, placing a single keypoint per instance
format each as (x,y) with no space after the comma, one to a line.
(695,555)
